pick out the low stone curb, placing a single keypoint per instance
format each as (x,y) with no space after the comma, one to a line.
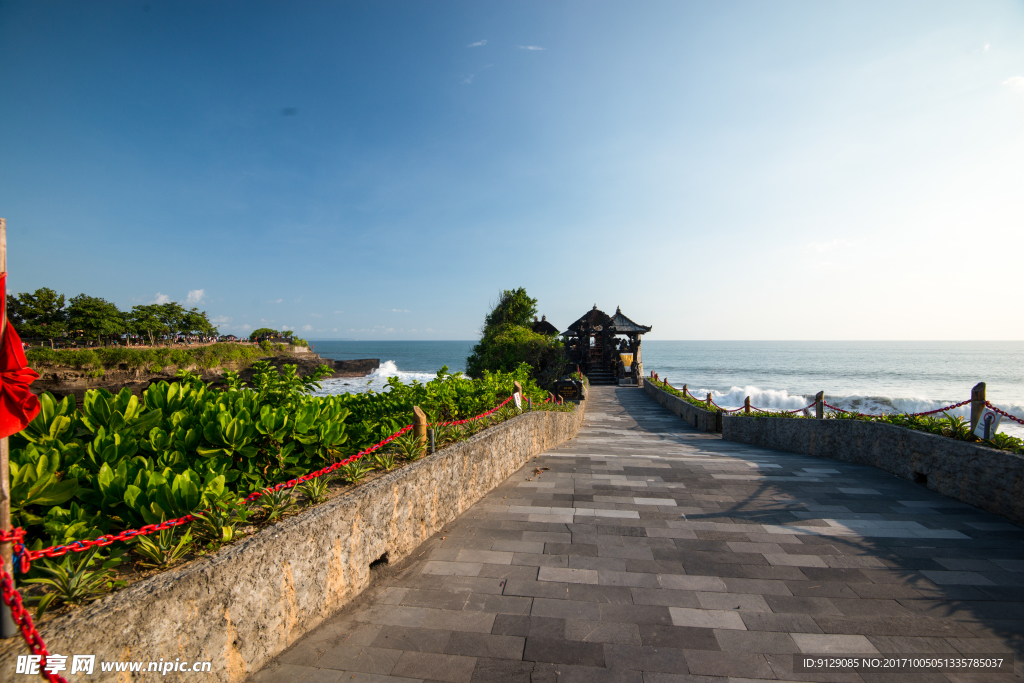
(704,420)
(984,477)
(247,603)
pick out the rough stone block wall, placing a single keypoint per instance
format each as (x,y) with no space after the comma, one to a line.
(987,478)
(704,420)
(247,603)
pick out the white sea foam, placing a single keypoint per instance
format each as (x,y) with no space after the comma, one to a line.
(375,381)
(773,399)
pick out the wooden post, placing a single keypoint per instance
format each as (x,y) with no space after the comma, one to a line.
(746,405)
(708,400)
(685,392)
(819,405)
(419,425)
(7,627)
(977,404)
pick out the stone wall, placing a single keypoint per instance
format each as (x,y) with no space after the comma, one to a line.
(987,478)
(704,420)
(247,603)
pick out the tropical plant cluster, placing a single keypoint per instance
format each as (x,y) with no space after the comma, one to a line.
(508,340)
(188,447)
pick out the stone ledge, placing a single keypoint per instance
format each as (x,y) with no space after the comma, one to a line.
(984,477)
(704,420)
(247,603)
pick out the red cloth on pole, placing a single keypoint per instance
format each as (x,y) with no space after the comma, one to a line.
(18,405)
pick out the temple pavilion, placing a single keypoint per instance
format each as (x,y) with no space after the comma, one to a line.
(605,347)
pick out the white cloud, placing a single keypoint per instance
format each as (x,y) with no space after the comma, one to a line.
(274,301)
(1015,82)
(479,43)
(988,46)
(400,310)
(339,311)
(831,245)
(316,315)
(161,299)
(220,320)
(469,79)
(195,296)
(307,328)
(530,47)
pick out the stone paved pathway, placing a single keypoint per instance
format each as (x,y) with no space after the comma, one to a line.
(648,552)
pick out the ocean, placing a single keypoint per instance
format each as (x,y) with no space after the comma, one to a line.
(869,377)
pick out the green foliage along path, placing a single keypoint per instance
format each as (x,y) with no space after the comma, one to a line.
(122,462)
(508,341)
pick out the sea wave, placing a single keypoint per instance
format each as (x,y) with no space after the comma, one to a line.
(375,381)
(775,399)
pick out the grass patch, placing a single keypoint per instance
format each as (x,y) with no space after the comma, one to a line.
(668,388)
(154,359)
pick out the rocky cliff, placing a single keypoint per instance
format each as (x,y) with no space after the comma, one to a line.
(64,381)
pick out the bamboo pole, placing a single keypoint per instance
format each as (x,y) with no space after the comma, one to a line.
(419,425)
(977,404)
(7,627)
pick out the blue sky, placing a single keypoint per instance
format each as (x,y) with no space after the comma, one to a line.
(380,170)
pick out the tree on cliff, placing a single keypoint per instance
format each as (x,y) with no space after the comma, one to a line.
(40,314)
(95,317)
(145,320)
(508,341)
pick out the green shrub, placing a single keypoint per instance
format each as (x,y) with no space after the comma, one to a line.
(120,461)
(508,342)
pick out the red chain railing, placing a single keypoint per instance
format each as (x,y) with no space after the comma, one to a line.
(481,415)
(23,556)
(828,405)
(927,412)
(1004,413)
(27,556)
(12,598)
(788,412)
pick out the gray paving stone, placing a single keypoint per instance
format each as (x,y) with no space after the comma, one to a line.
(652,553)
(564,652)
(602,632)
(428,666)
(414,639)
(503,670)
(610,594)
(486,645)
(566,609)
(372,660)
(537,589)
